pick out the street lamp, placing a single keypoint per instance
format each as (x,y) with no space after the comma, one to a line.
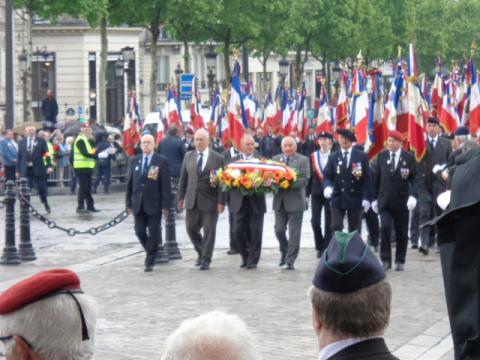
(283,65)
(337,75)
(22,60)
(119,68)
(128,53)
(178,73)
(211,57)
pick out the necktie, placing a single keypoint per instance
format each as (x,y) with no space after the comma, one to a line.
(200,163)
(392,162)
(345,158)
(145,166)
(432,143)
(288,161)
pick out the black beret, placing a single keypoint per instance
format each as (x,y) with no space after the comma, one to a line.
(325,134)
(462,131)
(347,133)
(433,120)
(347,265)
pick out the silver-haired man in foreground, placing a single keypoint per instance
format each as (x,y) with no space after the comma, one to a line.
(47,317)
(211,336)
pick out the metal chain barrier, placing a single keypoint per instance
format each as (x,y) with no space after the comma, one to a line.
(71,231)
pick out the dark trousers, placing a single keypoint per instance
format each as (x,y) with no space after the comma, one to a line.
(460,258)
(248,233)
(231,233)
(414,225)
(321,240)
(371,219)
(73,181)
(197,220)
(84,189)
(293,220)
(149,233)
(398,219)
(103,173)
(428,210)
(354,217)
(9,172)
(40,183)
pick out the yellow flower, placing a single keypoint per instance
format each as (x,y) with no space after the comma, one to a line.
(284,184)
(236,183)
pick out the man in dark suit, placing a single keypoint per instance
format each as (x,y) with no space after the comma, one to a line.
(148,196)
(34,163)
(290,204)
(395,194)
(351,302)
(202,201)
(248,212)
(270,145)
(348,183)
(460,136)
(318,162)
(228,155)
(431,183)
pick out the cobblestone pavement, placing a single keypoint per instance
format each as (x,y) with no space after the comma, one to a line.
(139,310)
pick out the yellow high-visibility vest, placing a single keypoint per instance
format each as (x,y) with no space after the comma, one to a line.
(51,154)
(80,161)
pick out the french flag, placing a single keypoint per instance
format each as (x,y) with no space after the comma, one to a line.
(300,116)
(214,116)
(237,120)
(436,97)
(324,120)
(359,113)
(474,100)
(131,127)
(196,120)
(269,112)
(173,113)
(393,99)
(250,105)
(449,118)
(377,135)
(341,113)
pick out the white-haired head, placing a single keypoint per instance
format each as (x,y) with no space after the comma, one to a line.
(52,327)
(214,336)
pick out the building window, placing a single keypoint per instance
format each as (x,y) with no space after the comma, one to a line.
(163,72)
(43,79)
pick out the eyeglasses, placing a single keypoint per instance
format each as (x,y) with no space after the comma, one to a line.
(5,339)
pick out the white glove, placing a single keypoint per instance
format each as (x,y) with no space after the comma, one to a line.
(327,193)
(366,205)
(438,168)
(375,206)
(411,203)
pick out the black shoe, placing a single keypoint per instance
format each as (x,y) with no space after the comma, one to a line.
(319,254)
(282,260)
(198,262)
(47,209)
(290,266)
(148,268)
(399,267)
(386,266)
(423,251)
(414,246)
(251,266)
(205,265)
(243,264)
(232,252)
(82,211)
(93,210)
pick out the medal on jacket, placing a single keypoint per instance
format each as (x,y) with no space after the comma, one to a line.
(404,172)
(153,172)
(357,169)
(339,165)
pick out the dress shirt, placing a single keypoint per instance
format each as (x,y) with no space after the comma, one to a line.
(328,351)
(349,154)
(205,157)
(435,141)
(247,157)
(323,159)
(397,156)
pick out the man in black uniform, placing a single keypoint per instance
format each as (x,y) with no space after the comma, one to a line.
(347,182)
(318,163)
(431,183)
(148,196)
(395,194)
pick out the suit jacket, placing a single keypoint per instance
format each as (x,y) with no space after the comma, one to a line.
(173,148)
(430,184)
(152,191)
(371,349)
(293,199)
(257,202)
(348,190)
(39,149)
(392,189)
(195,189)
(9,152)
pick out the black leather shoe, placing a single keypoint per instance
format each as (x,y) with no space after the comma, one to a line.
(82,211)
(205,265)
(251,266)
(243,265)
(290,266)
(386,266)
(47,209)
(281,263)
(232,252)
(93,210)
(399,267)
(319,254)
(198,262)
(414,246)
(148,268)
(423,251)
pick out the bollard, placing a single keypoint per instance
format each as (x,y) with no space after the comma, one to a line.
(171,245)
(161,255)
(10,254)
(27,253)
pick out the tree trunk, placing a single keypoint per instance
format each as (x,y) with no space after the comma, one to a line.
(155,32)
(298,67)
(186,56)
(264,75)
(226,58)
(28,111)
(102,72)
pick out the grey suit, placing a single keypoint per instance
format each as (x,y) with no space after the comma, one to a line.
(289,206)
(200,201)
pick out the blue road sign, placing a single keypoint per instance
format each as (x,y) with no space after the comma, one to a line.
(186,86)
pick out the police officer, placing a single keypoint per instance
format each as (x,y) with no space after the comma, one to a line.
(84,156)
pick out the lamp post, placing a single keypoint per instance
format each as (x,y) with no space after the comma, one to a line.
(22,60)
(337,73)
(283,66)
(119,76)
(178,74)
(211,57)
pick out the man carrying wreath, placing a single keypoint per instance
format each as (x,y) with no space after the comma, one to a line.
(289,204)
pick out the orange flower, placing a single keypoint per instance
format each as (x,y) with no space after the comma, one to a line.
(284,184)
(246,183)
(288,175)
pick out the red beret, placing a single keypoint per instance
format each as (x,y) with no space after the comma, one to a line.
(396,135)
(37,287)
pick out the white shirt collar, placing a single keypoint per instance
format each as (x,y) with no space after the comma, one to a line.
(435,139)
(204,152)
(397,153)
(331,349)
(349,150)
